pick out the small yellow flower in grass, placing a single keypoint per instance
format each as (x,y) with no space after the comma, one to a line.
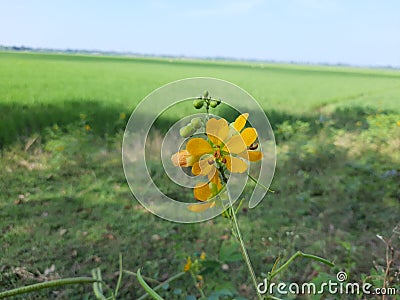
(188,264)
(87,127)
(398,123)
(202,255)
(122,116)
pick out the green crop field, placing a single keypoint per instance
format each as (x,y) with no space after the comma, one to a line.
(65,206)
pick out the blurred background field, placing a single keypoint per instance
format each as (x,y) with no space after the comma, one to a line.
(65,207)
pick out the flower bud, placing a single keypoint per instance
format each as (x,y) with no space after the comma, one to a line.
(213,103)
(196,123)
(205,94)
(187,131)
(198,103)
(213,188)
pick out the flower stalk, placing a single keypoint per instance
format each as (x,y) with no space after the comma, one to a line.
(238,235)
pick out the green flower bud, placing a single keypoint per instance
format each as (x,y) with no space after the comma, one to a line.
(213,187)
(205,94)
(213,103)
(196,123)
(198,103)
(187,131)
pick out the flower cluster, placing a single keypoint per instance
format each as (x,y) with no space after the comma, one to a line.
(226,147)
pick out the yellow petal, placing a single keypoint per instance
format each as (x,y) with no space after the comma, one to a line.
(203,167)
(240,122)
(235,145)
(215,179)
(196,170)
(187,265)
(217,130)
(201,206)
(254,155)
(249,135)
(202,191)
(198,147)
(251,155)
(235,165)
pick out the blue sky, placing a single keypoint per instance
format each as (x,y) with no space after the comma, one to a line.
(358,32)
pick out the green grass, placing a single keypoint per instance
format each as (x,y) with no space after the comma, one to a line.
(39,90)
(64,200)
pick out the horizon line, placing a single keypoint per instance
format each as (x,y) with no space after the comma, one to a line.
(182,56)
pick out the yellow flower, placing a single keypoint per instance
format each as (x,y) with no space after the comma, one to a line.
(204,191)
(202,255)
(224,147)
(398,123)
(188,264)
(229,146)
(184,159)
(87,127)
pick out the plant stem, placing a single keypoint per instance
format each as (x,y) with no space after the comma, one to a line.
(119,277)
(244,251)
(144,277)
(238,233)
(146,287)
(162,284)
(46,284)
(293,257)
(260,184)
(203,296)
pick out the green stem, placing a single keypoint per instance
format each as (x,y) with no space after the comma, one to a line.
(162,284)
(294,256)
(119,277)
(97,286)
(144,277)
(203,296)
(243,249)
(47,284)
(260,184)
(147,288)
(239,236)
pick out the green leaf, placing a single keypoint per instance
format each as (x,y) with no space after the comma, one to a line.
(209,266)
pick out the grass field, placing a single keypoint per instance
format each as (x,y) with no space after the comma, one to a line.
(65,207)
